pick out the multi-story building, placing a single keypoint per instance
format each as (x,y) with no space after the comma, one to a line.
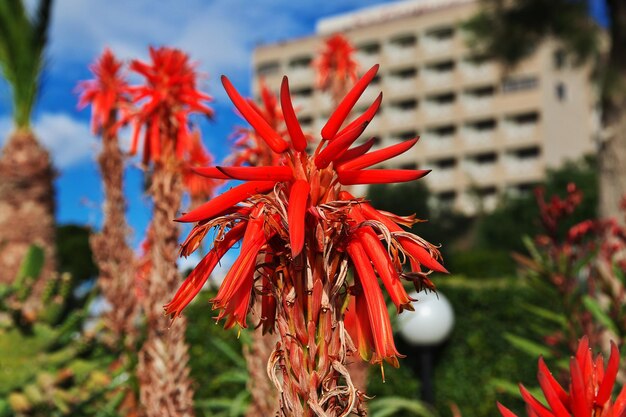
(484,129)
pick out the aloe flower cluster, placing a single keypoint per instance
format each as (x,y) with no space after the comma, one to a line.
(336,66)
(589,393)
(312,251)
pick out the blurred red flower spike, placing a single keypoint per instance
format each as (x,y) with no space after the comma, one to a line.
(376,157)
(168,96)
(293,126)
(342,111)
(106,92)
(379,176)
(338,146)
(296,215)
(271,137)
(224,201)
(280,173)
(367,115)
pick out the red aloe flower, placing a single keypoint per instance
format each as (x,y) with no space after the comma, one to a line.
(170,93)
(336,66)
(301,236)
(199,188)
(250,148)
(589,394)
(107,93)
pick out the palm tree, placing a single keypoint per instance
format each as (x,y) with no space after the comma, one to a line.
(26,173)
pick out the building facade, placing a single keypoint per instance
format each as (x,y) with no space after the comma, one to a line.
(485,130)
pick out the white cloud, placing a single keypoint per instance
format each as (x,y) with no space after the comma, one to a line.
(68,140)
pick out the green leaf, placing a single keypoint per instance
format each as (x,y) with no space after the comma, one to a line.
(545,314)
(533,349)
(599,314)
(389,406)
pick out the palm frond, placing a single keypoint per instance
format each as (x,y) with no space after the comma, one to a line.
(22,45)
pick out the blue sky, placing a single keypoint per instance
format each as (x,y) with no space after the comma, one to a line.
(219,35)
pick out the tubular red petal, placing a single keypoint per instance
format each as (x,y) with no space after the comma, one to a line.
(367,116)
(580,407)
(386,271)
(558,407)
(336,119)
(356,151)
(273,173)
(534,404)
(243,266)
(421,255)
(271,137)
(296,215)
(604,391)
(619,406)
(210,172)
(545,374)
(417,251)
(384,346)
(380,176)
(378,156)
(505,411)
(358,326)
(338,147)
(293,126)
(226,200)
(195,281)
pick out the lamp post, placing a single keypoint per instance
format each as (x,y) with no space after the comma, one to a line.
(429,325)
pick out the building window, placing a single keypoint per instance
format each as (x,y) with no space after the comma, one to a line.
(559,59)
(511,85)
(446,163)
(268,68)
(441,34)
(528,153)
(404,41)
(486,158)
(404,73)
(371,48)
(408,104)
(300,61)
(560,91)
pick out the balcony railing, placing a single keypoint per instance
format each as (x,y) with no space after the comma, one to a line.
(301,74)
(397,53)
(437,78)
(434,110)
(433,46)
(473,104)
(477,138)
(477,71)
(519,131)
(400,85)
(396,115)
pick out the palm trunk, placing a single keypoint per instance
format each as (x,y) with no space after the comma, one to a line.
(165,387)
(612,154)
(112,253)
(264,396)
(26,207)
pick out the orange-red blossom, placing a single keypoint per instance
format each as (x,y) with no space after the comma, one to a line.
(589,391)
(311,250)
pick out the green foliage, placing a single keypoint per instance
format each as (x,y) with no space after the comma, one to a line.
(477,357)
(398,406)
(49,366)
(217,364)
(22,44)
(74,253)
(519,216)
(511,30)
(483,263)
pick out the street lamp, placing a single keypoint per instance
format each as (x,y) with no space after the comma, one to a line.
(429,325)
